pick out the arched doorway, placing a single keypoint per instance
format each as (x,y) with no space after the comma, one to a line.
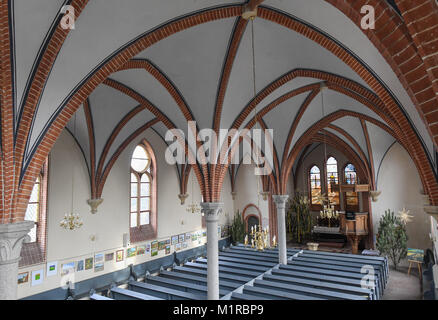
(251,216)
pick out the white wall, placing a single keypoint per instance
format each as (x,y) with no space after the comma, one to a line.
(400,183)
(112,218)
(247,193)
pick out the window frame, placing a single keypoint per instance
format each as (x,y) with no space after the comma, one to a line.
(144,232)
(327,180)
(314,206)
(354,208)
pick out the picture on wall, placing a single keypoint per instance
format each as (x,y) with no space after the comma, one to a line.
(161,245)
(141,250)
(188,237)
(174,240)
(154,248)
(98,262)
(219,230)
(204,233)
(148,248)
(109,256)
(167,241)
(168,249)
(178,246)
(80,265)
(37,277)
(67,268)
(52,269)
(131,252)
(119,255)
(88,263)
(184,245)
(181,238)
(194,236)
(23,277)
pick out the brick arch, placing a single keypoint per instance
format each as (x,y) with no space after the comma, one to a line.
(333,82)
(398,42)
(211,193)
(302,141)
(246,217)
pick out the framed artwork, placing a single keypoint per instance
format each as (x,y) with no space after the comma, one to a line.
(184,245)
(23,277)
(178,246)
(154,248)
(188,237)
(194,236)
(148,248)
(141,250)
(119,255)
(131,252)
(161,245)
(167,242)
(219,230)
(174,240)
(88,263)
(67,268)
(52,269)
(109,256)
(415,255)
(168,249)
(181,238)
(204,233)
(80,265)
(98,262)
(37,277)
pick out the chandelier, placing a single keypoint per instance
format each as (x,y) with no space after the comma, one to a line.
(193,207)
(72,221)
(259,238)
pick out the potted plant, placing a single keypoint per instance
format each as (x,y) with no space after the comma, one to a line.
(299,219)
(237,229)
(392,238)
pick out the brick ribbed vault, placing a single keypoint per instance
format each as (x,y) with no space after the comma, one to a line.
(24,174)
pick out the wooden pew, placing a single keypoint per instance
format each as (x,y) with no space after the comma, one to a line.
(248,273)
(99,297)
(247,256)
(123,294)
(196,271)
(337,273)
(248,261)
(321,284)
(181,285)
(277,295)
(242,296)
(241,266)
(163,292)
(223,284)
(314,292)
(378,278)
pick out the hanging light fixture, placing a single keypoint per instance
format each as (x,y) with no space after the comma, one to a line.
(328,210)
(193,207)
(72,221)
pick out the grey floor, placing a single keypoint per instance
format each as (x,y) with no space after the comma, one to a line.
(403,287)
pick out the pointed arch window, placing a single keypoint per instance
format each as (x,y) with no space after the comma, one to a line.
(332,178)
(351,198)
(143,194)
(34,251)
(315,185)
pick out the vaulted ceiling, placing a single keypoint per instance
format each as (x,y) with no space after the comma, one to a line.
(204,73)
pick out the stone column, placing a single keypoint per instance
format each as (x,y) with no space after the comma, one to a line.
(211,212)
(280,202)
(11,239)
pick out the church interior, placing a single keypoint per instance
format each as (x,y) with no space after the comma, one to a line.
(219,149)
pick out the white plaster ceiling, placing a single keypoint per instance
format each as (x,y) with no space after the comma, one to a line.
(380,142)
(80,132)
(193,61)
(32,22)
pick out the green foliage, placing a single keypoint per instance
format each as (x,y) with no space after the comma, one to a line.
(298,218)
(237,228)
(392,237)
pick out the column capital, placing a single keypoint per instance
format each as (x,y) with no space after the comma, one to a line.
(211,210)
(12,236)
(280,200)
